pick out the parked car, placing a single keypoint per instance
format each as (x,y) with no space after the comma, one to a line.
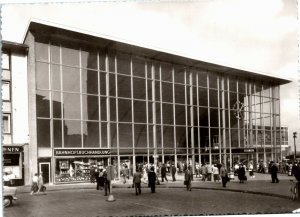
(9,194)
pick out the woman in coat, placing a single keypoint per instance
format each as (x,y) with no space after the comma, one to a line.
(241,173)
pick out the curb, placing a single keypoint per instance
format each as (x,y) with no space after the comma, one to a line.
(25,191)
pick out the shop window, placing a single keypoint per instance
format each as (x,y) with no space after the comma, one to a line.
(11,166)
(5,91)
(6,123)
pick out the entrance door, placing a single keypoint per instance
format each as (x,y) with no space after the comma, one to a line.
(45,168)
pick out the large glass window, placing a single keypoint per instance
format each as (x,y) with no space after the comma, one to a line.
(213,80)
(125,135)
(139,111)
(89,59)
(72,134)
(123,61)
(167,113)
(90,134)
(70,56)
(42,103)
(71,107)
(41,51)
(42,75)
(167,92)
(89,81)
(202,97)
(124,110)
(90,107)
(179,94)
(168,133)
(140,134)
(56,79)
(180,114)
(138,67)
(56,104)
(166,72)
(55,53)
(43,133)
(71,79)
(139,88)
(57,133)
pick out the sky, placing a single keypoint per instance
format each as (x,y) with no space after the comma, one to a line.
(256,35)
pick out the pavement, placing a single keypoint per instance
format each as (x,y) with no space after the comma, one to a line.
(261,185)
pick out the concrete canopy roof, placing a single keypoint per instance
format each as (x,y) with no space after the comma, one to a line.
(91,39)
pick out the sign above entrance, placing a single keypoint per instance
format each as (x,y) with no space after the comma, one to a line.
(12,149)
(80,152)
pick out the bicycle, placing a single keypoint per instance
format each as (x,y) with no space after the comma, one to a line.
(294,189)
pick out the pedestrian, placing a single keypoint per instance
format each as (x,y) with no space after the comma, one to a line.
(106,183)
(274,171)
(224,175)
(136,182)
(92,176)
(163,173)
(41,183)
(173,171)
(188,176)
(251,172)
(100,179)
(96,175)
(203,172)
(209,171)
(216,173)
(241,173)
(34,185)
(152,179)
(197,167)
(125,173)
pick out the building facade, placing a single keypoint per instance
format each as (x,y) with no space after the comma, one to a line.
(97,101)
(14,111)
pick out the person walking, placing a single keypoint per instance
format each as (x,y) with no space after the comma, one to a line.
(209,171)
(188,176)
(163,173)
(152,179)
(34,185)
(224,175)
(274,171)
(100,179)
(241,173)
(173,171)
(251,172)
(125,173)
(137,177)
(41,183)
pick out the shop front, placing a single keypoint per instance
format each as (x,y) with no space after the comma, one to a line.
(78,165)
(13,164)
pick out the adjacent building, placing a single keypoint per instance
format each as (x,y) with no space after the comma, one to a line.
(93,100)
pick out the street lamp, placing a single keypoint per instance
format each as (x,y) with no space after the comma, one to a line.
(295,136)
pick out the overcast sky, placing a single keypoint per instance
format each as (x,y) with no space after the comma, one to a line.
(258,35)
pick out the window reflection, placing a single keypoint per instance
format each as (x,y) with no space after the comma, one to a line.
(90,134)
(42,103)
(71,105)
(43,133)
(42,75)
(72,134)
(71,79)
(70,56)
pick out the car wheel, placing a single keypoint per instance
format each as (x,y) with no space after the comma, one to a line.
(7,201)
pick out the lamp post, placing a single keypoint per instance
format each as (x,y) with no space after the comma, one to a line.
(295,136)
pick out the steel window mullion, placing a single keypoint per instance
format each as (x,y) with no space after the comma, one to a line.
(161,117)
(107,102)
(62,97)
(192,120)
(209,129)
(147,111)
(132,114)
(219,117)
(198,118)
(229,124)
(174,116)
(99,99)
(186,118)
(81,99)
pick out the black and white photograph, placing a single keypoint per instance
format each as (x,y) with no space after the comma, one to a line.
(150,108)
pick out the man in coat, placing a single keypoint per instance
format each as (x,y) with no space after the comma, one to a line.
(152,179)
(173,171)
(137,177)
(274,171)
(163,173)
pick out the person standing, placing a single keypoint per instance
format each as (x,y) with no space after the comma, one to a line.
(163,173)
(137,177)
(251,172)
(125,173)
(224,175)
(203,172)
(188,176)
(274,171)
(216,173)
(241,173)
(101,179)
(173,171)
(209,171)
(106,183)
(152,179)
(34,186)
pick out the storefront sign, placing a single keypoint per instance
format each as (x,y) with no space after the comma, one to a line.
(12,149)
(243,150)
(80,152)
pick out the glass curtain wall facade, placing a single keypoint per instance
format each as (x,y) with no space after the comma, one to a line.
(147,110)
